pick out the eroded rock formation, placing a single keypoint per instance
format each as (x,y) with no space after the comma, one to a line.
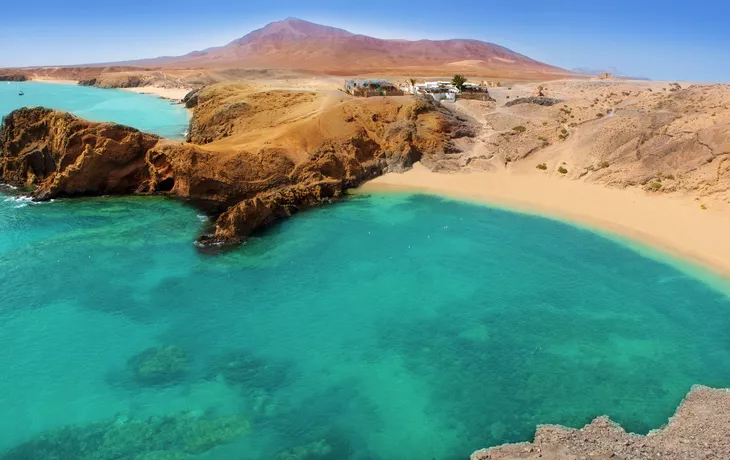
(247,184)
(699,429)
(63,156)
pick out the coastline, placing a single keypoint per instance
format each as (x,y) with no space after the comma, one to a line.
(174,94)
(55,81)
(675,224)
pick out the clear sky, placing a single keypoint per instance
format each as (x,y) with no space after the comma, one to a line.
(657,39)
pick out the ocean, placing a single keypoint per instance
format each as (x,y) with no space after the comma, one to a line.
(385,326)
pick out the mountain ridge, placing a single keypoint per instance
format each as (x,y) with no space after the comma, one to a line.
(296,44)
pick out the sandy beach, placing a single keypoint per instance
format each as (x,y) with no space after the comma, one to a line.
(56,81)
(167,93)
(675,224)
(175,94)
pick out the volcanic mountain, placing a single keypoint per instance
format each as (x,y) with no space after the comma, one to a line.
(295,44)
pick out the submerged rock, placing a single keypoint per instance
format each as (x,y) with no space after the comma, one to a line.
(239,368)
(172,437)
(311,451)
(159,366)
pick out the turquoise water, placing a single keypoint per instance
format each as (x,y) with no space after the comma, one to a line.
(382,327)
(144,112)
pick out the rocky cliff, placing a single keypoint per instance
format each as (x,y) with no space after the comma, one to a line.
(247,185)
(699,429)
(13,77)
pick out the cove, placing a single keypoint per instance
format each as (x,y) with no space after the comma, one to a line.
(144,112)
(381,327)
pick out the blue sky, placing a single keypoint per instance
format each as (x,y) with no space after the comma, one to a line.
(642,37)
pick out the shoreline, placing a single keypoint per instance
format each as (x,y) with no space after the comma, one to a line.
(674,224)
(173,94)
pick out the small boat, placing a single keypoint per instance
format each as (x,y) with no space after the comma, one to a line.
(20,91)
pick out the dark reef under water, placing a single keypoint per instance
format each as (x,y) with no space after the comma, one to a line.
(386,326)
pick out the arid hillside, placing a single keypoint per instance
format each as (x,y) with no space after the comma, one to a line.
(662,137)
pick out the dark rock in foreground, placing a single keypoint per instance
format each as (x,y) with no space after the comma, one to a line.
(700,429)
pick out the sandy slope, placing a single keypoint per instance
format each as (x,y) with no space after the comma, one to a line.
(676,224)
(175,94)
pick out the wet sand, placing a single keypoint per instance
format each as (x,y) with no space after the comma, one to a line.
(676,224)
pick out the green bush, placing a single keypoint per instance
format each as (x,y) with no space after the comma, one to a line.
(562,170)
(656,185)
(703,207)
(519,129)
(599,115)
(541,166)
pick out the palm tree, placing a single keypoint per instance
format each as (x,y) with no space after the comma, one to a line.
(459,81)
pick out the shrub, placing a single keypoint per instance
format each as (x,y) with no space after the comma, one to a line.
(519,129)
(703,207)
(604,164)
(564,131)
(599,115)
(656,185)
(544,139)
(562,170)
(541,166)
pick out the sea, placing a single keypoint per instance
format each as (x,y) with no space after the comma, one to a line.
(385,326)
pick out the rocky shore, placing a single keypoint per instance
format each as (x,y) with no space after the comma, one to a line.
(700,429)
(245,187)
(13,77)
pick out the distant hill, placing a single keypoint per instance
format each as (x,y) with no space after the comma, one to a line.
(295,44)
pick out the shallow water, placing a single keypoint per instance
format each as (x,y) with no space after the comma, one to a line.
(390,326)
(144,112)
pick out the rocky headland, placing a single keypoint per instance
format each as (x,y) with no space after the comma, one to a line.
(246,166)
(700,429)
(13,77)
